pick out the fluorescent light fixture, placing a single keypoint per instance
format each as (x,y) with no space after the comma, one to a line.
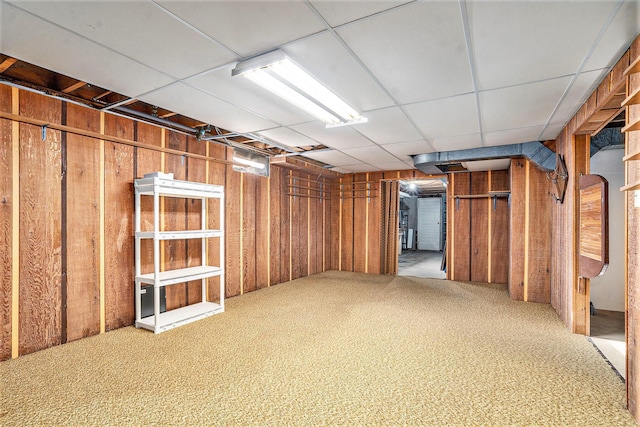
(248,162)
(277,73)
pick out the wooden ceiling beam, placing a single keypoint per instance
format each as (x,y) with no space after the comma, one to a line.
(73,87)
(7,63)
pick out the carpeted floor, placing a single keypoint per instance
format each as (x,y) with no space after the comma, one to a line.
(331,349)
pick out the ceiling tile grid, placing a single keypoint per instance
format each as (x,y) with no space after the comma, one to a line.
(409,66)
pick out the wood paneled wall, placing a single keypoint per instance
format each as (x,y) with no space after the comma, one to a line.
(632,174)
(478,227)
(66,221)
(530,231)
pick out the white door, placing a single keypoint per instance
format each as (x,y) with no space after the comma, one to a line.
(429,216)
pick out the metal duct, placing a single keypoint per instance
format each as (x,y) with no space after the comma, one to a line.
(437,163)
(607,137)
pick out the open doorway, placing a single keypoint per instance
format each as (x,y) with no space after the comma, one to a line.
(422,228)
(607,292)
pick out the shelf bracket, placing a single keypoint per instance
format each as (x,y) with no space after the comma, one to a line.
(44,132)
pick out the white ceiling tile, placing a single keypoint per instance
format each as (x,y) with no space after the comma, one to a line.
(209,109)
(288,137)
(340,170)
(552,131)
(370,154)
(418,52)
(512,136)
(583,86)
(338,13)
(487,165)
(388,126)
(139,30)
(446,117)
(521,106)
(245,94)
(395,165)
(461,142)
(623,28)
(337,137)
(57,49)
(360,168)
(532,41)
(410,148)
(332,157)
(249,27)
(324,57)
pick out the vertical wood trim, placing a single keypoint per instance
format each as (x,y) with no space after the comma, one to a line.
(15,223)
(341,196)
(205,254)
(290,225)
(526,231)
(268,231)
(163,136)
(366,226)
(241,233)
(324,230)
(489,240)
(451,210)
(101,227)
(309,229)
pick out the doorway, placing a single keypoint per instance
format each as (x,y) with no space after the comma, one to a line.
(422,228)
(607,292)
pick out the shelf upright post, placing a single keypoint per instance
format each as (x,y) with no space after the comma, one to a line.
(137,251)
(156,255)
(203,256)
(221,261)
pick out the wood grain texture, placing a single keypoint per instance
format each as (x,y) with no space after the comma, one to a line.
(581,316)
(346,238)
(82,226)
(479,219)
(118,233)
(461,234)
(517,229)
(249,183)
(500,236)
(499,180)
(539,268)
(373,241)
(299,239)
(196,171)
(275,221)
(262,229)
(360,219)
(335,226)
(285,227)
(312,221)
(40,227)
(6,224)
(174,216)
(217,176)
(232,229)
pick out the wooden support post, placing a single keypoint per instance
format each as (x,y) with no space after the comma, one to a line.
(527,207)
(101,261)
(15,224)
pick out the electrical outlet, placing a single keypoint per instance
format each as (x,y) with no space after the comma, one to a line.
(636,199)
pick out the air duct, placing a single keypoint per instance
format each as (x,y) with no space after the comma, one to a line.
(440,162)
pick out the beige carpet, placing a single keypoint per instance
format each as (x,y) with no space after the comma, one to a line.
(331,349)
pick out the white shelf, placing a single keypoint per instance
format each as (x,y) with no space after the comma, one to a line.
(176,235)
(171,277)
(180,316)
(177,188)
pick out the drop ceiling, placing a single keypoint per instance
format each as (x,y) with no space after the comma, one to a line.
(428,75)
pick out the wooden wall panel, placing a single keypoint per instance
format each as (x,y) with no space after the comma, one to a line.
(539,245)
(360,222)
(216,175)
(373,242)
(40,317)
(196,171)
(175,218)
(581,312)
(83,237)
(336,227)
(6,224)
(248,265)
(275,221)
(314,210)
(300,239)
(233,254)
(479,223)
(346,238)
(517,230)
(262,227)
(461,209)
(500,236)
(118,233)
(285,226)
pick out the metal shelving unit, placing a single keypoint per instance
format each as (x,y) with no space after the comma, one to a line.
(159,185)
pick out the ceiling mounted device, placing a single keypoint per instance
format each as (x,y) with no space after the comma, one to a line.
(277,73)
(248,162)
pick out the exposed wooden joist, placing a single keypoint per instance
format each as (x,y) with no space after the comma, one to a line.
(6,64)
(73,87)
